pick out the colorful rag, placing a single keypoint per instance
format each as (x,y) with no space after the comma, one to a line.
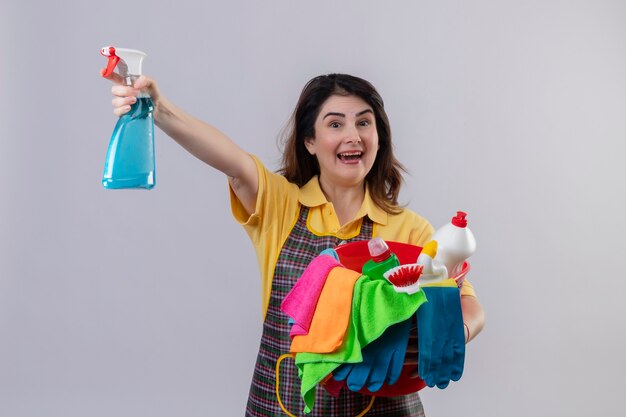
(375,306)
(300,302)
(332,314)
(441,335)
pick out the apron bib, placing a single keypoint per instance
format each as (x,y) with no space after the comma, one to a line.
(297,252)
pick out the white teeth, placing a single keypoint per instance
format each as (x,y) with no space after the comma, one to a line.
(351,154)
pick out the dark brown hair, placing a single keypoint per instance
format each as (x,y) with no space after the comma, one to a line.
(299,166)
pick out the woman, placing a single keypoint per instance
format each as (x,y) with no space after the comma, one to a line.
(339,183)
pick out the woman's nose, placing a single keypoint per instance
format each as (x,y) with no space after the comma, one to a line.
(352,136)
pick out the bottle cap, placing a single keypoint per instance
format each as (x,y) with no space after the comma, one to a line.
(379,251)
(459,220)
(430,249)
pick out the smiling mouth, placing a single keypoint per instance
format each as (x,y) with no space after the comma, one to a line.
(350,156)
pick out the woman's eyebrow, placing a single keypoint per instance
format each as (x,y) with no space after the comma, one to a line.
(334,114)
(361,113)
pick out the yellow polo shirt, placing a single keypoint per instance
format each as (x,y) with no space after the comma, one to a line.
(278,206)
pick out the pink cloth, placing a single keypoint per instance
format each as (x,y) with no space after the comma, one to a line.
(332,314)
(301,301)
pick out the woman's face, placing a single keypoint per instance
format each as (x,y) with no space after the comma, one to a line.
(345,142)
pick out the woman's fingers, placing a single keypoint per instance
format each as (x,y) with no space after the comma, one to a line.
(120,111)
(148,85)
(125,96)
(121,105)
(124,91)
(114,76)
(143,82)
(123,101)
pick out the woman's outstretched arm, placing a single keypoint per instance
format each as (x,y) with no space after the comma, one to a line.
(202,140)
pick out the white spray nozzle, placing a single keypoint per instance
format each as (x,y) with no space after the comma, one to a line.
(127,61)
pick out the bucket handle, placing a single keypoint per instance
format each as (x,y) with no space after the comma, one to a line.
(291,355)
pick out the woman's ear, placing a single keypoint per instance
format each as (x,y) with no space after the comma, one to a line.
(310,145)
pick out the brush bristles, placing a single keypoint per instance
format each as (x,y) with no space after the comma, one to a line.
(404,275)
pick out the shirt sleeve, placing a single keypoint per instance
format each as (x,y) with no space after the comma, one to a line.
(275,212)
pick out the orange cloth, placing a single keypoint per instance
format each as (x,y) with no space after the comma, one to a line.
(332,314)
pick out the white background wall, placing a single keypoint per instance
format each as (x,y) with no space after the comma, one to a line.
(147,303)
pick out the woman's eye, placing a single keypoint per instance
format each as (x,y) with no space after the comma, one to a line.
(364,123)
(334,125)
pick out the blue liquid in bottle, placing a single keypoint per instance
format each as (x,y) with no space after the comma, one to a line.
(130,158)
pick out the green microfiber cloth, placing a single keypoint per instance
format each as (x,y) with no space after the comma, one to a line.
(375,306)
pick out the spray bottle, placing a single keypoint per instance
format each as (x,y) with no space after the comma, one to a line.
(383,259)
(130,157)
(456,243)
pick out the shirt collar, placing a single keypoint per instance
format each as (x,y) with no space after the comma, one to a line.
(311,195)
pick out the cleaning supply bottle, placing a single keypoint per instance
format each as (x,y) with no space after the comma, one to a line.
(382,259)
(456,243)
(432,270)
(130,157)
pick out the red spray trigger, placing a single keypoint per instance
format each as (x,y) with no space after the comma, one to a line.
(109,52)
